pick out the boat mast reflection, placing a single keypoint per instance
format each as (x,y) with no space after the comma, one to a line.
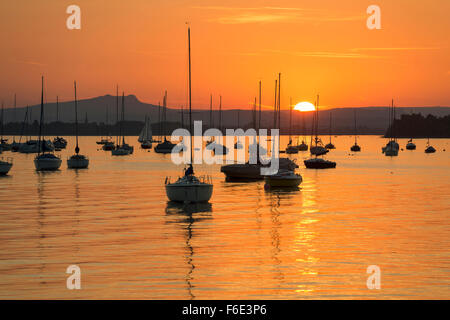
(186,215)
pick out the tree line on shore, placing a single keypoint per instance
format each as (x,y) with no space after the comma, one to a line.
(417,126)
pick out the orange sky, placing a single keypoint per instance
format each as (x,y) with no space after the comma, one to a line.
(320,46)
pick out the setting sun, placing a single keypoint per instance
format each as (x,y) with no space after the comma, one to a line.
(304,106)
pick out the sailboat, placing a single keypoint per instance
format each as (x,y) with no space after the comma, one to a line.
(252,171)
(355,147)
(123,149)
(44,161)
(106,139)
(59,142)
(238,145)
(189,188)
(410,145)
(284,178)
(430,148)
(146,137)
(392,147)
(255,147)
(77,161)
(166,146)
(330,145)
(4,145)
(216,147)
(302,146)
(15,145)
(317,150)
(291,149)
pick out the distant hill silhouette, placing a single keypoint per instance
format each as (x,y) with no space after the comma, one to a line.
(370,120)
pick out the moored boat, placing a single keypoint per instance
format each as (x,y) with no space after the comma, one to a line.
(283,178)
(44,161)
(5,165)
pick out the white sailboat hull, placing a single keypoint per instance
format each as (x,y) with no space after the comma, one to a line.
(189,193)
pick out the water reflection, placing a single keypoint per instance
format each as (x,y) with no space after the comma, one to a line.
(187,214)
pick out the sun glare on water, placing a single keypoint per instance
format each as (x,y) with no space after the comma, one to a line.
(304,106)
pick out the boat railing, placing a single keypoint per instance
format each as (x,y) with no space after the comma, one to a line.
(202,179)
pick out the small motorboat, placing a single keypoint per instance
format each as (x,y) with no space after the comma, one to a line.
(355,148)
(291,150)
(218,149)
(318,150)
(302,147)
(109,146)
(146,144)
(283,178)
(430,149)
(120,151)
(410,145)
(319,163)
(127,147)
(60,143)
(103,141)
(165,147)
(5,165)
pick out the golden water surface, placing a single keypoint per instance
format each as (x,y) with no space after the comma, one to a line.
(113,220)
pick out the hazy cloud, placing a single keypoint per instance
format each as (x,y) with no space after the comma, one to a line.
(274,14)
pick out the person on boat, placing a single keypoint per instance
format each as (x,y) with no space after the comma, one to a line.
(189,171)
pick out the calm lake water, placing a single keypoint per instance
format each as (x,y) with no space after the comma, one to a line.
(113,221)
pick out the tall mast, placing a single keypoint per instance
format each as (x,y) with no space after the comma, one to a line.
(42,115)
(220,113)
(57,108)
(393,121)
(259,120)
(182,116)
(159,120)
(210,112)
(238,122)
(279,101)
(190,98)
(290,120)
(354,110)
(279,107)
(117,113)
(317,118)
(14,137)
(1,134)
(275,107)
(330,126)
(123,118)
(106,123)
(254,114)
(77,149)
